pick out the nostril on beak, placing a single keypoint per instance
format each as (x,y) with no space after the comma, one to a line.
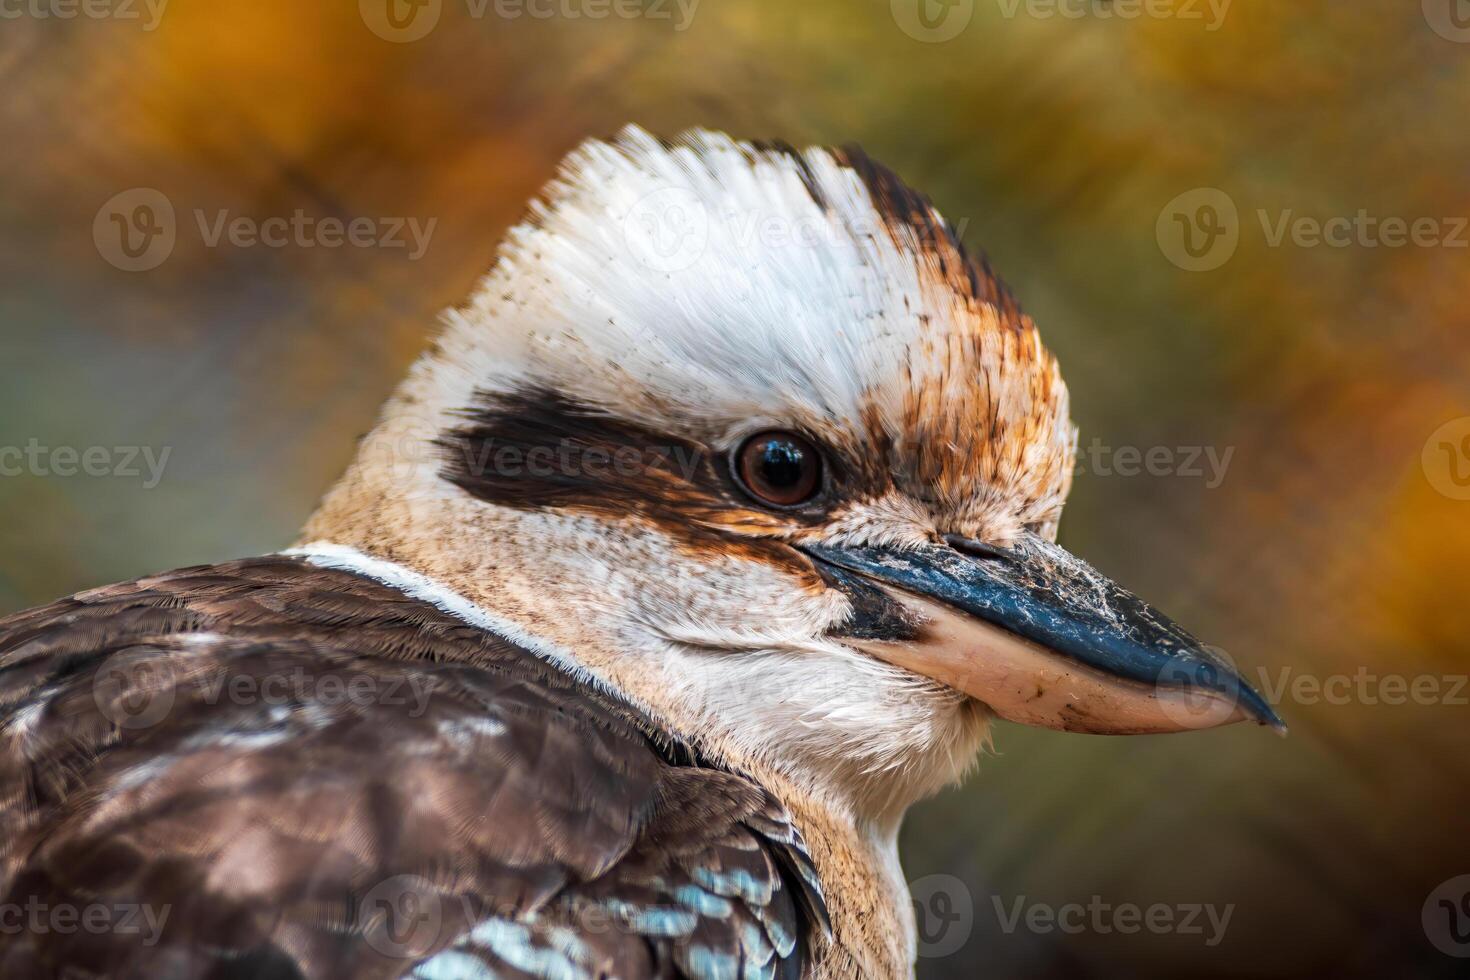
(977,549)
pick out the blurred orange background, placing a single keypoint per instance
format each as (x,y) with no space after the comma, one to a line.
(1089,151)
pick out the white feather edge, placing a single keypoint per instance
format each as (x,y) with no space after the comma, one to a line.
(325,554)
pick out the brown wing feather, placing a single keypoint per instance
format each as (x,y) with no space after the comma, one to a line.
(266,768)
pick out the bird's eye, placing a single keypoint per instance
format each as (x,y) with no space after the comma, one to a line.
(779,468)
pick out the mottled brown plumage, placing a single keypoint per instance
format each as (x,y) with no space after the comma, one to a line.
(286,757)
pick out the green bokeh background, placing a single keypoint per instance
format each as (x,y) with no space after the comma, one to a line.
(1333,546)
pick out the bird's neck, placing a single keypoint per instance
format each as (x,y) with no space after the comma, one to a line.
(856,856)
(496,567)
(867,895)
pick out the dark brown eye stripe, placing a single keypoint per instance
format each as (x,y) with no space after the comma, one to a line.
(538,450)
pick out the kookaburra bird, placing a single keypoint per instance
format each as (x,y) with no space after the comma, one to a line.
(710,535)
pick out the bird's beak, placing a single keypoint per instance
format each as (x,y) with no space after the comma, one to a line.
(1042,638)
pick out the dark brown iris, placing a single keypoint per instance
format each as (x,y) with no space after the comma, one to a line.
(779,468)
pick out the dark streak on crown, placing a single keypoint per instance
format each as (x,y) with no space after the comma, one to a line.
(903,207)
(804,170)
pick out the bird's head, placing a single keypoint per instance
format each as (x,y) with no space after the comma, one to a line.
(748,434)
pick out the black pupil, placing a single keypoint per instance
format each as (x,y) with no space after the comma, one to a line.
(781,463)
